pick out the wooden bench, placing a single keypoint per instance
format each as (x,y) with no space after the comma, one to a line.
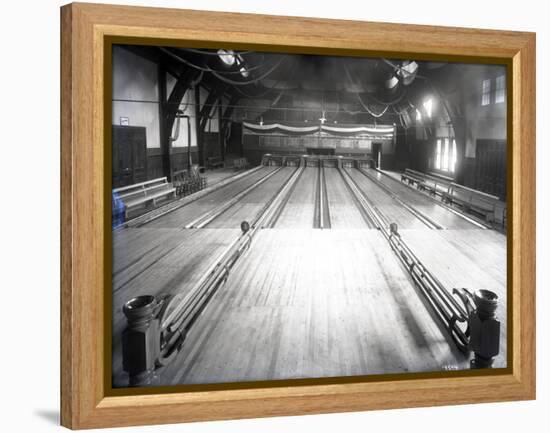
(436,184)
(240,163)
(214,162)
(412,177)
(440,176)
(471,200)
(433,183)
(189,181)
(144,193)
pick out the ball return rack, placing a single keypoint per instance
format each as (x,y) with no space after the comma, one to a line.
(468,316)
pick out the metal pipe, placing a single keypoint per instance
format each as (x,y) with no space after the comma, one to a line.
(275,217)
(357,196)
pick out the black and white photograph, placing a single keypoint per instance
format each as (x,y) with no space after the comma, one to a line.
(282,216)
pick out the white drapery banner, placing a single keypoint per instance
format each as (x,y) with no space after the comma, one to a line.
(378,131)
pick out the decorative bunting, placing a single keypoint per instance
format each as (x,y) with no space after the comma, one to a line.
(384,131)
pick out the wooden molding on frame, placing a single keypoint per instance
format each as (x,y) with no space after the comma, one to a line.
(85,28)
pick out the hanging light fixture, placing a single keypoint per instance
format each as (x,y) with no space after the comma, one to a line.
(227,57)
(244,72)
(391,83)
(408,71)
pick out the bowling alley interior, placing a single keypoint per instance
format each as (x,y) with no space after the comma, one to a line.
(280,216)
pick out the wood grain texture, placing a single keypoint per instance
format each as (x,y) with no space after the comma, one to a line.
(306,303)
(312,303)
(85,402)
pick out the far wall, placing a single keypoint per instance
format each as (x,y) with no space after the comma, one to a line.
(462,89)
(136,98)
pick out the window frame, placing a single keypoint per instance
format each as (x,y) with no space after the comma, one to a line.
(486,92)
(446,155)
(500,89)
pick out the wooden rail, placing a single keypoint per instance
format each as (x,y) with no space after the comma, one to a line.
(421,216)
(323,210)
(211,215)
(447,308)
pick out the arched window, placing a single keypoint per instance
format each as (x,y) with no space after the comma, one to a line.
(445,155)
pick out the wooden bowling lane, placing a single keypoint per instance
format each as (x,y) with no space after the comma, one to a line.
(161,261)
(422,203)
(389,207)
(343,207)
(314,303)
(251,204)
(182,216)
(474,259)
(299,211)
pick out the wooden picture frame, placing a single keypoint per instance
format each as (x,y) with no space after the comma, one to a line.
(87,30)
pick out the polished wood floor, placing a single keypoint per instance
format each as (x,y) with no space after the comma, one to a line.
(306,302)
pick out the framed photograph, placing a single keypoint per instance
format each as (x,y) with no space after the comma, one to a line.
(267,216)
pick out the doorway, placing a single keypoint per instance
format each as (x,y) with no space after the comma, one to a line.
(377,154)
(129,155)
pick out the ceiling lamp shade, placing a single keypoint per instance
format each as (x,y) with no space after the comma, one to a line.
(227,57)
(392,82)
(244,72)
(408,71)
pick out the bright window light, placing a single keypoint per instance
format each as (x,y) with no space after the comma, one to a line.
(428,103)
(445,162)
(486,92)
(438,155)
(445,155)
(453,160)
(418,115)
(500,91)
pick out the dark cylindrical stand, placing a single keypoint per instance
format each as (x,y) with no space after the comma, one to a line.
(484,329)
(141,340)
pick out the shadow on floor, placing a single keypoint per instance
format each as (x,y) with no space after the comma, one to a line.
(49,415)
